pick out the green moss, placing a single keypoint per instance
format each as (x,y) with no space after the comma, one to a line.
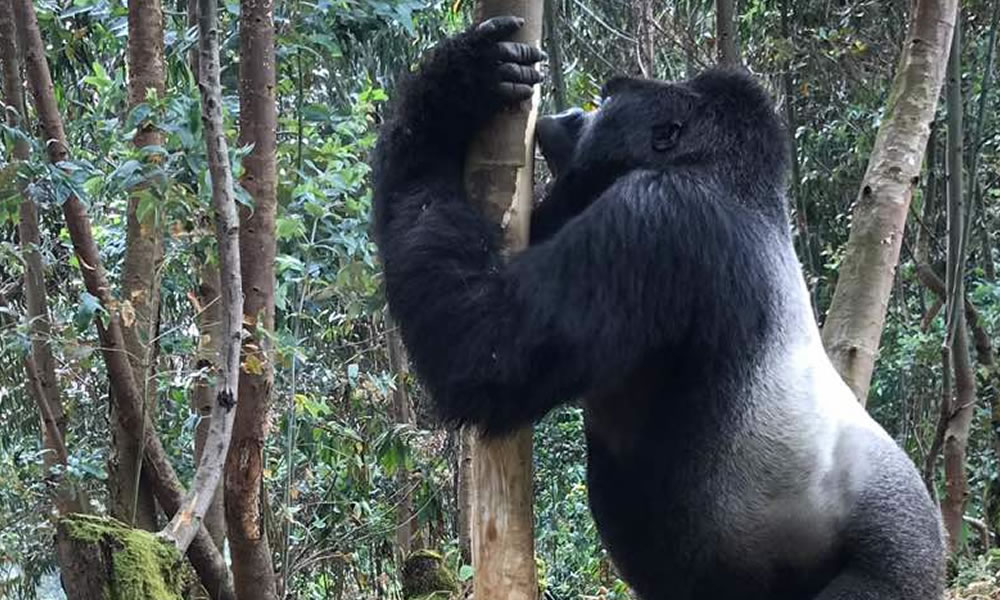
(144,567)
(425,577)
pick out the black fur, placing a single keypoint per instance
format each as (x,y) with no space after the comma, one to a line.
(659,286)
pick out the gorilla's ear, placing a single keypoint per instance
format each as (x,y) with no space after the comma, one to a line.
(665,135)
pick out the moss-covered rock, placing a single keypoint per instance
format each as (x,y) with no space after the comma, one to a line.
(104,559)
(425,576)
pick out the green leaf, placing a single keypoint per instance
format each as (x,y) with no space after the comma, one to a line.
(147,205)
(288,228)
(88,308)
(465,573)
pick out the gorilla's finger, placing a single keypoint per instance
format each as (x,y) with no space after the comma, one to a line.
(515,91)
(499,28)
(519,74)
(524,54)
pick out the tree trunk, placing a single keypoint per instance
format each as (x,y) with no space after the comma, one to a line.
(187,520)
(642,30)
(253,569)
(463,488)
(131,497)
(857,312)
(43,386)
(802,219)
(110,561)
(203,554)
(499,178)
(956,436)
(928,212)
(726,34)
(986,243)
(975,149)
(209,318)
(402,413)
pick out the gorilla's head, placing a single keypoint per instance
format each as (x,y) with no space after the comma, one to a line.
(722,120)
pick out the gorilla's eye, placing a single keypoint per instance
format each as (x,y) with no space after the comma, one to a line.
(665,136)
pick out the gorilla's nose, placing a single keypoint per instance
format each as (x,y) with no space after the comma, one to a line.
(557,136)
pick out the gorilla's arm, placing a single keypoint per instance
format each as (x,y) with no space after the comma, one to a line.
(500,344)
(463,83)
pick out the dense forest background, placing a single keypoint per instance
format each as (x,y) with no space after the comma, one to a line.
(353,472)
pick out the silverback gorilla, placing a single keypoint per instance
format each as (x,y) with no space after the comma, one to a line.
(726,458)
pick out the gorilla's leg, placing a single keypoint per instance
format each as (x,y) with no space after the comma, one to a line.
(894,543)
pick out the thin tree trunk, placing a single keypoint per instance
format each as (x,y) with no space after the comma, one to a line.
(553,47)
(253,569)
(685,24)
(642,21)
(857,312)
(40,363)
(402,413)
(204,555)
(131,497)
(802,219)
(944,414)
(498,178)
(956,436)
(209,319)
(463,487)
(726,34)
(975,189)
(928,211)
(192,21)
(986,244)
(186,522)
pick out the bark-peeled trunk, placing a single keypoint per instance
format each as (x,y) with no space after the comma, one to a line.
(727,40)
(499,179)
(956,434)
(186,522)
(857,312)
(204,555)
(40,364)
(253,568)
(131,496)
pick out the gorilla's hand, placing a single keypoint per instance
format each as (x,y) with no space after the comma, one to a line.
(466,80)
(511,61)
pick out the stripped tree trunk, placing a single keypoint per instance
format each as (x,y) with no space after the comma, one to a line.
(857,312)
(499,178)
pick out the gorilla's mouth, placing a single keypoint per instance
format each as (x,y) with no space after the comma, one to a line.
(557,137)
